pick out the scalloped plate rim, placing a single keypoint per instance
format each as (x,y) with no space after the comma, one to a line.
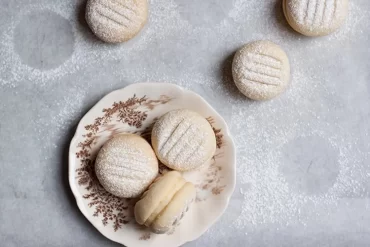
(227,135)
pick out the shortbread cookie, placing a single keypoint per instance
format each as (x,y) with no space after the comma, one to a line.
(261,70)
(116,21)
(315,17)
(183,140)
(165,203)
(126,165)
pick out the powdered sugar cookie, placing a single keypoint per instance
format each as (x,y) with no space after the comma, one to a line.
(116,21)
(261,70)
(165,203)
(126,165)
(315,17)
(183,140)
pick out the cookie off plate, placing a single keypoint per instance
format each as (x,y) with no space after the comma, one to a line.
(134,109)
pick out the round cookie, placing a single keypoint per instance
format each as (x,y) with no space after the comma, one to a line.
(165,203)
(183,140)
(116,21)
(126,165)
(315,18)
(261,70)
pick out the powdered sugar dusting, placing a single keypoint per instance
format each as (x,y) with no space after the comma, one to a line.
(126,165)
(270,199)
(327,99)
(162,13)
(116,21)
(316,18)
(261,70)
(183,140)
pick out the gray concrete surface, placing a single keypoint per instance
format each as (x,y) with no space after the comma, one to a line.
(303,158)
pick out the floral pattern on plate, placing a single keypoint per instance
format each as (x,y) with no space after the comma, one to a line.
(122,112)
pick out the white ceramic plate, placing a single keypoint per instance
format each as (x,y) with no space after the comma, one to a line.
(134,109)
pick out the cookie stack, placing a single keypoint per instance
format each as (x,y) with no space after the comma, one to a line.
(127,167)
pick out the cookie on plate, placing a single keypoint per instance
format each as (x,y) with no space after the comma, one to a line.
(165,203)
(116,21)
(183,140)
(126,165)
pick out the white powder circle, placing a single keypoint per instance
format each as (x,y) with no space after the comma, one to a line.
(47,46)
(310,165)
(165,203)
(198,12)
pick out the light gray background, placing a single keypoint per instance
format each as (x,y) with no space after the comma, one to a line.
(303,158)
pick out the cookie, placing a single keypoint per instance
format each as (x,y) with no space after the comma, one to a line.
(183,140)
(116,21)
(165,203)
(126,165)
(261,70)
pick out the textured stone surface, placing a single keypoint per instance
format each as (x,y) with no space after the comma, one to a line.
(303,158)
